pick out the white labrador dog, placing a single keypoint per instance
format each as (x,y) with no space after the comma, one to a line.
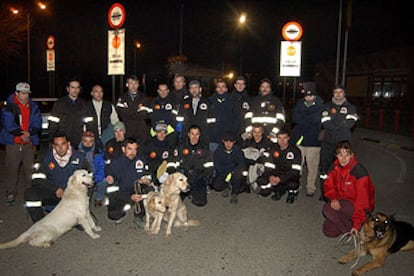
(73,209)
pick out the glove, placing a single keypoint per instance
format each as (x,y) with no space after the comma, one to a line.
(228,177)
(246,135)
(179,127)
(163,177)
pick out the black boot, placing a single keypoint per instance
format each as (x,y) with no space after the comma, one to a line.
(292,194)
(278,194)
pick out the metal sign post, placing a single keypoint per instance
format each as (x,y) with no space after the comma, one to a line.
(116,44)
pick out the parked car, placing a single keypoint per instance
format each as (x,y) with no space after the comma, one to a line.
(45,105)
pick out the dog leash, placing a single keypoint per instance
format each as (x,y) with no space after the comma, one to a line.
(345,239)
(90,192)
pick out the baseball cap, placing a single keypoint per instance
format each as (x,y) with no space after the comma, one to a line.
(309,89)
(161,127)
(119,126)
(23,87)
(194,82)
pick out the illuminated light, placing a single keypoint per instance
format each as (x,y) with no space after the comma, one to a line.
(242,18)
(14,11)
(41,5)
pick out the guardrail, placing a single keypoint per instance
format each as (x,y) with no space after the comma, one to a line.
(394,121)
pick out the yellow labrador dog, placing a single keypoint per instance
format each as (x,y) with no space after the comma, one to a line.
(177,211)
(154,210)
(73,209)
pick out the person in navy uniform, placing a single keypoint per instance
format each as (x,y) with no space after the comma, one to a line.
(282,170)
(225,112)
(158,150)
(70,114)
(306,118)
(196,110)
(50,176)
(242,101)
(121,175)
(229,166)
(267,110)
(165,109)
(196,162)
(133,110)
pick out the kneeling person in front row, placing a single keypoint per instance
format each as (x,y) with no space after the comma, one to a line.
(282,170)
(49,180)
(122,173)
(229,165)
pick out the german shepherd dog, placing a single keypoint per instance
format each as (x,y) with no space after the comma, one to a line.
(380,236)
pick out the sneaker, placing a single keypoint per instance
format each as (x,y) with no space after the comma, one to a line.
(225,193)
(139,222)
(234,199)
(10,200)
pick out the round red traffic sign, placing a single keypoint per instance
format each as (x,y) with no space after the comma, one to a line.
(292,31)
(50,42)
(116,16)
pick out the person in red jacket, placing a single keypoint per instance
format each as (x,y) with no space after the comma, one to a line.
(350,191)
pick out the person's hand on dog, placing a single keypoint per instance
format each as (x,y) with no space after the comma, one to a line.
(354,231)
(136,197)
(335,204)
(144,180)
(59,193)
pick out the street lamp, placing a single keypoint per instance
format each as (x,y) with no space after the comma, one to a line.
(242,22)
(41,6)
(137,46)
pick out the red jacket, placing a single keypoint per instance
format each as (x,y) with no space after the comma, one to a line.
(352,183)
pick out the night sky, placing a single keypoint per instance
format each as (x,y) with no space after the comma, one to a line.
(211,36)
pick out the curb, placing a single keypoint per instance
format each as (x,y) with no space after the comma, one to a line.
(402,147)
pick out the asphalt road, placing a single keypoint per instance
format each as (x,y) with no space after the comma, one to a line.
(256,237)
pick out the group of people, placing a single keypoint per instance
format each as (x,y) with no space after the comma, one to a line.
(229,142)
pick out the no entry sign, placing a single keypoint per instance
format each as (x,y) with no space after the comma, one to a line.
(116,16)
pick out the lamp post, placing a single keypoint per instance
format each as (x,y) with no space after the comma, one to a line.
(137,45)
(242,22)
(41,6)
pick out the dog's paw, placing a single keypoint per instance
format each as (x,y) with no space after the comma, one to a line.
(168,235)
(95,236)
(97,228)
(343,260)
(355,273)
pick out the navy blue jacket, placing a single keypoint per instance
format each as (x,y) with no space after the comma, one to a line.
(227,117)
(125,171)
(56,176)
(228,161)
(307,122)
